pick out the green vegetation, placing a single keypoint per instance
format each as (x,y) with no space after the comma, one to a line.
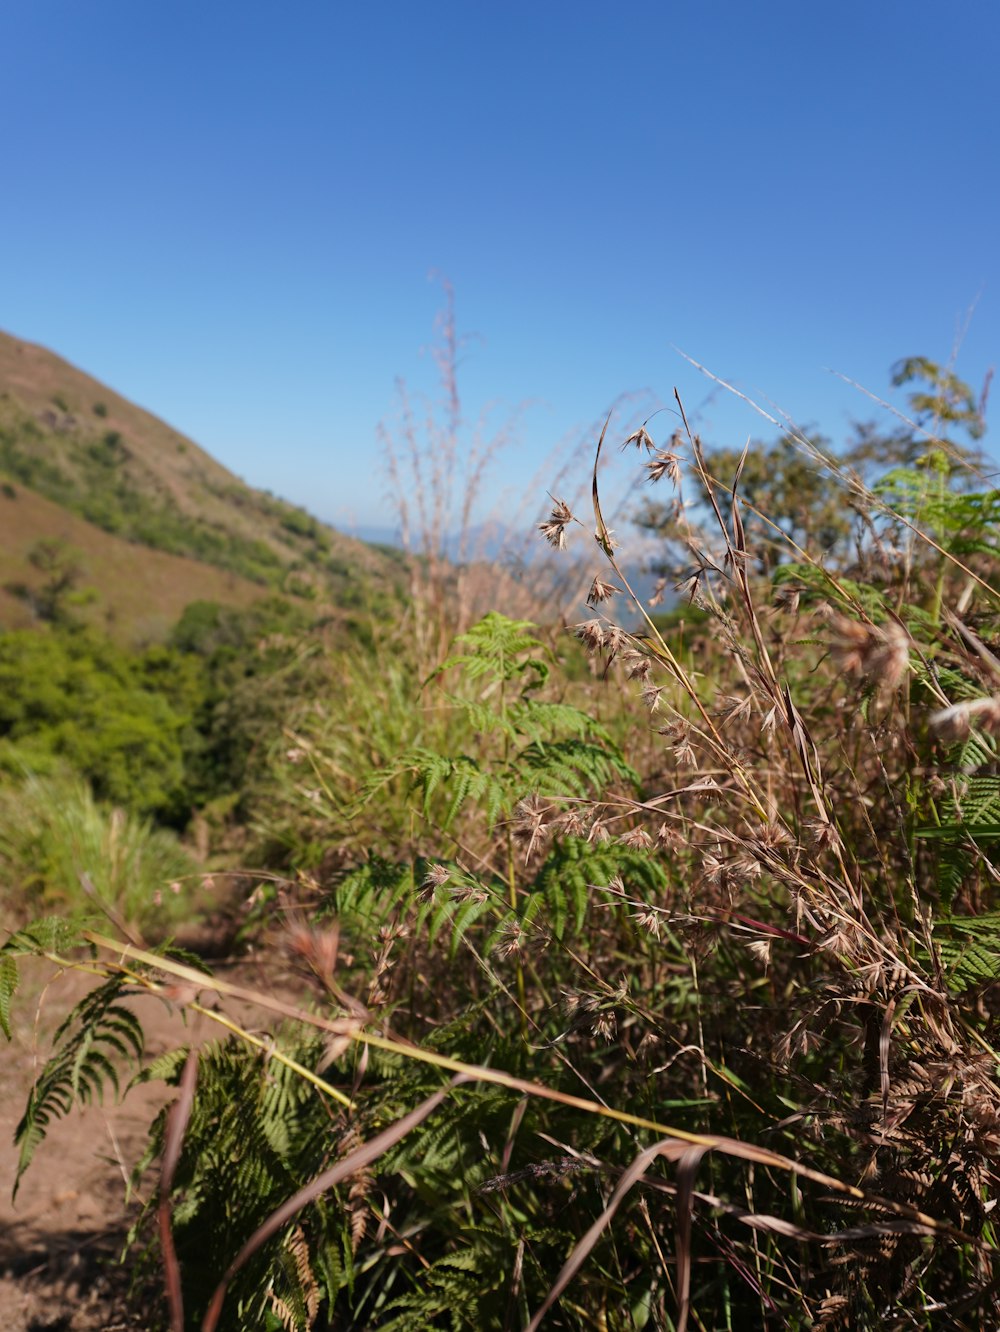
(73,697)
(161,731)
(652,992)
(62,850)
(92,479)
(130,475)
(101,493)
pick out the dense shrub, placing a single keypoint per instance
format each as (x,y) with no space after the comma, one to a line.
(74,697)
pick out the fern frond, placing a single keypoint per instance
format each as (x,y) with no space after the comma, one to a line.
(535,720)
(48,934)
(969,947)
(495,645)
(574,767)
(8,985)
(98,1028)
(367,897)
(564,884)
(298,1308)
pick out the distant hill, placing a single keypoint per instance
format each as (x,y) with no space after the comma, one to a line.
(155,521)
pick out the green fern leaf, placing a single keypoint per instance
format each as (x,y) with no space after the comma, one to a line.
(969,947)
(81,1067)
(48,934)
(8,985)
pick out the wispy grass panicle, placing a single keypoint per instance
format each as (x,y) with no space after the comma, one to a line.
(554,528)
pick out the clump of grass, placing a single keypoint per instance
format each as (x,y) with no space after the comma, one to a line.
(63,851)
(466,556)
(821,817)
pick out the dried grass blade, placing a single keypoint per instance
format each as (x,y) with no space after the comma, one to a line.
(806,749)
(110,910)
(498,1077)
(883,1059)
(579,1255)
(739,532)
(602,533)
(739,561)
(776,1225)
(177,1122)
(687,1167)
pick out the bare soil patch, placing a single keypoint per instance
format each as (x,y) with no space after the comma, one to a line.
(61,1240)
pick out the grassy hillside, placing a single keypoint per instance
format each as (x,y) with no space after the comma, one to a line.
(74,442)
(136,595)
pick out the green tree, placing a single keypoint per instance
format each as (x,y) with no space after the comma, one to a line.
(802,491)
(940,399)
(62,567)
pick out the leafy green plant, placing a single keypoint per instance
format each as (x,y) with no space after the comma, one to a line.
(528,745)
(46,935)
(97,1034)
(75,698)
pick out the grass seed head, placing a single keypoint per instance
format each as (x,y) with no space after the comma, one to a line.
(530,824)
(663,464)
(435,877)
(554,529)
(651,696)
(956,721)
(641,438)
(601,591)
(638,839)
(591,634)
(637,665)
(880,653)
(648,921)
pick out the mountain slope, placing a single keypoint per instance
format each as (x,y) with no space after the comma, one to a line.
(86,449)
(136,594)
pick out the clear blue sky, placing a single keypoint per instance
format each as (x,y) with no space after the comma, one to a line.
(228,211)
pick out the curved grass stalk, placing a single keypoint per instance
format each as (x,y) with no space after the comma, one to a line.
(853,484)
(662,651)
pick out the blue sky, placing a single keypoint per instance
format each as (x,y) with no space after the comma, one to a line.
(229,211)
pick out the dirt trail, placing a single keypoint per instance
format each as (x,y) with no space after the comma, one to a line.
(60,1239)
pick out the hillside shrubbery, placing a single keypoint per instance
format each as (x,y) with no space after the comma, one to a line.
(159,730)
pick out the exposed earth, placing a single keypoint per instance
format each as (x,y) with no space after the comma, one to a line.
(61,1240)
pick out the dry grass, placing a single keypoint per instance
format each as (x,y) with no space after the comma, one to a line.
(139,594)
(440,468)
